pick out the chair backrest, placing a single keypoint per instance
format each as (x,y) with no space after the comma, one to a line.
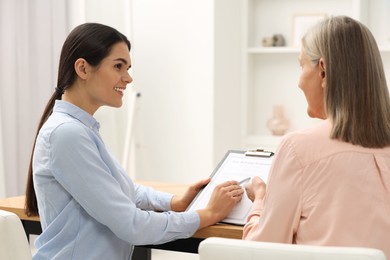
(13,241)
(233,249)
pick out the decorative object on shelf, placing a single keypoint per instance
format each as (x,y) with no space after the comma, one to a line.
(276,40)
(301,23)
(267,42)
(278,123)
(279,40)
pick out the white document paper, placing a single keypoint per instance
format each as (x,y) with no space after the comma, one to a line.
(234,166)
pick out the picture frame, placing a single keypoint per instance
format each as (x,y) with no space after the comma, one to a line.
(301,23)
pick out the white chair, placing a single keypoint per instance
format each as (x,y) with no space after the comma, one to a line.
(13,240)
(233,249)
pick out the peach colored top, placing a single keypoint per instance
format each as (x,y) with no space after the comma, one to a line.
(324,192)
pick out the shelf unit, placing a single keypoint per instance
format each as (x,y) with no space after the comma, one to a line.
(270,74)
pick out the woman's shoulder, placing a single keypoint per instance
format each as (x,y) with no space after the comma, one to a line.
(66,128)
(311,143)
(314,144)
(308,136)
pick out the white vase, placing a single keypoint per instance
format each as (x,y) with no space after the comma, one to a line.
(278,123)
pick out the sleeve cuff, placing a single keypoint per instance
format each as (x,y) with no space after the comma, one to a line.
(257,209)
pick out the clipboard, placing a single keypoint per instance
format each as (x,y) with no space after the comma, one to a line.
(240,166)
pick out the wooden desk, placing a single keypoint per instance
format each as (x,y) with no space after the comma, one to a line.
(190,245)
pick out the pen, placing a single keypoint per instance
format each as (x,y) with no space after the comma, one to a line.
(244,181)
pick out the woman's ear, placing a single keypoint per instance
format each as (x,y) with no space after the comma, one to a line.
(321,63)
(80,66)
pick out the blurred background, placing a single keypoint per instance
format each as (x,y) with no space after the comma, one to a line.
(207,77)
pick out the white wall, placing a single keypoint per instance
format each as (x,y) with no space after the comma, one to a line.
(173,69)
(227,78)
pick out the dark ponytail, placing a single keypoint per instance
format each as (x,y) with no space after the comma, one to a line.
(92,42)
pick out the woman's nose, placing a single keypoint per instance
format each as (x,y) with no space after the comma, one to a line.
(127,78)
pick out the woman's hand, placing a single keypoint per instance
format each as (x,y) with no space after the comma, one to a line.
(224,197)
(181,203)
(255,189)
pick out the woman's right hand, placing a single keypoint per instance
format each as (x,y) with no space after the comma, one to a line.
(224,197)
(255,189)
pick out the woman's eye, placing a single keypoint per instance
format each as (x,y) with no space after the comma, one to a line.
(118,66)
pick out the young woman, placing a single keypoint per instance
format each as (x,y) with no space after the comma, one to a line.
(330,184)
(88,206)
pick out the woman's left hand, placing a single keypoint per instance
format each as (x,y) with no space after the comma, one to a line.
(180,203)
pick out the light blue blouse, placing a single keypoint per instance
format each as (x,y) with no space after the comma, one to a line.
(89,208)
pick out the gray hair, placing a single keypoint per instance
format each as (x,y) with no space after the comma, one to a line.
(356,97)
